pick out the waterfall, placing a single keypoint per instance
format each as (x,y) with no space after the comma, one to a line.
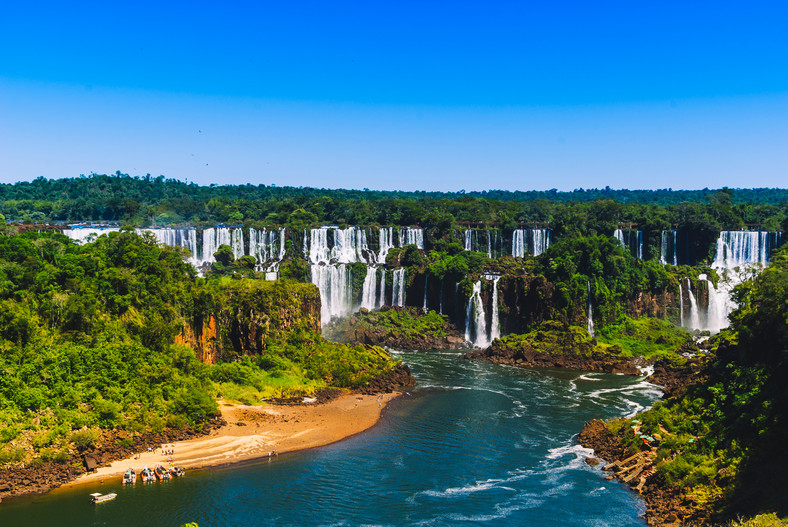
(334,283)
(215,236)
(539,242)
(467,238)
(663,248)
(640,245)
(694,316)
(382,299)
(347,245)
(739,255)
(368,290)
(717,311)
(590,323)
(82,235)
(267,246)
(426,282)
(489,245)
(440,309)
(398,288)
(475,323)
(681,305)
(619,235)
(675,250)
(411,236)
(632,241)
(495,328)
(176,238)
(386,242)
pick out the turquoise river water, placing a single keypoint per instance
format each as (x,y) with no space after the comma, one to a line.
(473,444)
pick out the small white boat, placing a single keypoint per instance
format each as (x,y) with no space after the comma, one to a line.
(98,497)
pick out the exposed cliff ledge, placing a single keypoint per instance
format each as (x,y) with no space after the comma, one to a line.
(527,357)
(404,328)
(246,314)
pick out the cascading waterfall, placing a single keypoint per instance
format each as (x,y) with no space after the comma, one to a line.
(334,283)
(467,238)
(675,247)
(632,241)
(215,236)
(175,238)
(533,241)
(268,248)
(663,248)
(347,245)
(495,328)
(619,235)
(590,322)
(369,289)
(382,297)
(411,236)
(716,316)
(489,245)
(329,270)
(440,304)
(739,255)
(386,243)
(681,305)
(694,316)
(640,245)
(82,235)
(398,287)
(475,322)
(426,282)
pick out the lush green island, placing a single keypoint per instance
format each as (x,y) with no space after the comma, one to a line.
(123,339)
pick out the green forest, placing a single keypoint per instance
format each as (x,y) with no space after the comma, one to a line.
(106,335)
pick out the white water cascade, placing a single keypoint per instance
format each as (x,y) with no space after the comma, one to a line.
(590,321)
(631,241)
(495,323)
(739,255)
(82,235)
(532,241)
(386,242)
(426,282)
(382,297)
(470,240)
(411,236)
(268,247)
(175,238)
(619,235)
(347,245)
(694,314)
(681,305)
(329,270)
(215,236)
(475,322)
(369,289)
(398,287)
(334,283)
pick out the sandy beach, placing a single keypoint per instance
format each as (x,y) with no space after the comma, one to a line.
(255,431)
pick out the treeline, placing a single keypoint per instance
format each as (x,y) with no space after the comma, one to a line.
(163,202)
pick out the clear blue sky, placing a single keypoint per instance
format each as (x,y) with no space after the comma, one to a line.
(399,95)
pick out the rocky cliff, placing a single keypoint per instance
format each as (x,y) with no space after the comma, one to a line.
(243,316)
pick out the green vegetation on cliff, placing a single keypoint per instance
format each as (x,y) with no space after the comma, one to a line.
(99,336)
(723,441)
(648,338)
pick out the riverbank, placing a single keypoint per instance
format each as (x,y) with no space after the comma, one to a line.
(257,431)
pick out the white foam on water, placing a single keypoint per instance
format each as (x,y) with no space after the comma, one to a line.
(589,377)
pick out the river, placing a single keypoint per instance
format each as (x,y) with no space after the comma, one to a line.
(473,444)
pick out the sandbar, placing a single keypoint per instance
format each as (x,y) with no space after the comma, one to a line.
(254,432)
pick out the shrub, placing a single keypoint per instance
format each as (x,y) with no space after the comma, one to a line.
(84,439)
